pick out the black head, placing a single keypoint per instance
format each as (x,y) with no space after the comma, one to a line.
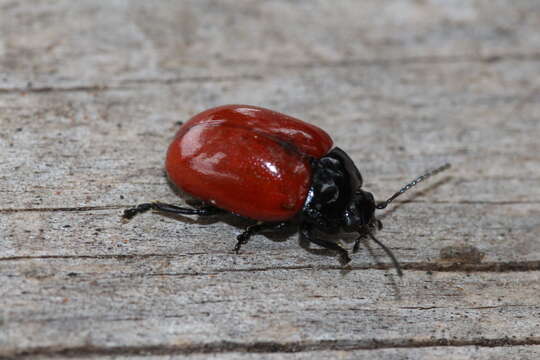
(360,211)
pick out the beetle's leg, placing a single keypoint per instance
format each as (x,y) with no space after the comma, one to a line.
(254,229)
(307,233)
(364,231)
(356,245)
(169,209)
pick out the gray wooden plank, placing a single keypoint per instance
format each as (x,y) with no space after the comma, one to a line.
(66,44)
(98,137)
(90,94)
(155,303)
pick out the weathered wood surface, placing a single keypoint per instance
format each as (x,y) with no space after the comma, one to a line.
(89,96)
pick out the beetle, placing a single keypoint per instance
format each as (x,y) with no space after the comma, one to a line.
(274,169)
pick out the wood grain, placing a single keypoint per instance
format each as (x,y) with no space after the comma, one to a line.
(90,96)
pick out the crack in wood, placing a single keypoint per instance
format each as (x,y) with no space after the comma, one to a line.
(264,347)
(56,209)
(192,79)
(504,306)
(104,256)
(122,84)
(449,59)
(513,266)
(496,267)
(412,201)
(45,89)
(471,202)
(411,60)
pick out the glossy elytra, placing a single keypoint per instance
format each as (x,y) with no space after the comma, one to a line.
(274,169)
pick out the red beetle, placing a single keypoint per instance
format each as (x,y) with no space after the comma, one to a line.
(272,168)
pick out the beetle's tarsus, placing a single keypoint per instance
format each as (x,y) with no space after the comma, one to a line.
(241,240)
(356,246)
(345,257)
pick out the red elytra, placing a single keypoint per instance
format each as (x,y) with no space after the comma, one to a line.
(248,160)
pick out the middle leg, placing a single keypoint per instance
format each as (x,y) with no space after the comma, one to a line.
(243,238)
(307,233)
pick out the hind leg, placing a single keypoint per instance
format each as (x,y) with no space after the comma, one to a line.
(169,209)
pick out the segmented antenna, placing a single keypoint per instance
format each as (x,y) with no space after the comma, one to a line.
(389,253)
(419,179)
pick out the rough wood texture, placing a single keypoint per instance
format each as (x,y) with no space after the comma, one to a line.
(89,95)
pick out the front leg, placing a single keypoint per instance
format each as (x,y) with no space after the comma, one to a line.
(306,231)
(243,238)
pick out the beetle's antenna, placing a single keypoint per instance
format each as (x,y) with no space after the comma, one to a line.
(388,252)
(415,182)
